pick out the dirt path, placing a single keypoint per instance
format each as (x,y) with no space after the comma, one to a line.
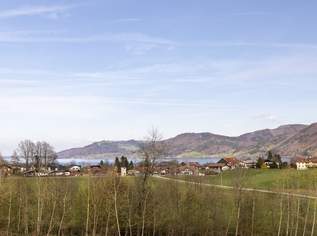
(242,189)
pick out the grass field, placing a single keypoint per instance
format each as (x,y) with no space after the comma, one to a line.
(281,180)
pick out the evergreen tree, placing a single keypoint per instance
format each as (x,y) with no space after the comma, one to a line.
(124,162)
(278,160)
(259,162)
(270,156)
(131,166)
(117,164)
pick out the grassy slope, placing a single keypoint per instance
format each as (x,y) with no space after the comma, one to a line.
(284,180)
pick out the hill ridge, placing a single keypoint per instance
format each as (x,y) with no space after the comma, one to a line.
(206,144)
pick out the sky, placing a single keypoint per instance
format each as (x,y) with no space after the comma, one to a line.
(75,72)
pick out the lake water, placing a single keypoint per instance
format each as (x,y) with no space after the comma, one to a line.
(82,161)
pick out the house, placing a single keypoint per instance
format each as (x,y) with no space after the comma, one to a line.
(74,168)
(5,170)
(123,171)
(247,164)
(56,173)
(214,167)
(164,171)
(268,163)
(311,162)
(194,164)
(229,162)
(301,165)
(133,173)
(94,169)
(188,170)
(30,173)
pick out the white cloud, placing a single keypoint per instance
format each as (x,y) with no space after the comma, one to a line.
(35,10)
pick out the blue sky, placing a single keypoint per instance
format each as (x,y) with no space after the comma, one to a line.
(74,72)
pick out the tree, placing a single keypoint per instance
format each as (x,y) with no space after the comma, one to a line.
(131,165)
(117,164)
(152,149)
(270,155)
(275,159)
(46,154)
(259,163)
(2,161)
(26,150)
(15,158)
(39,154)
(124,162)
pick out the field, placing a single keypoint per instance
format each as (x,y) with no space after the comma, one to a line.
(135,206)
(286,180)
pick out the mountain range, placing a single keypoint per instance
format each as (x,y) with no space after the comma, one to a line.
(287,140)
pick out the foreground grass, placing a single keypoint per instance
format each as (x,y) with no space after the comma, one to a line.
(127,206)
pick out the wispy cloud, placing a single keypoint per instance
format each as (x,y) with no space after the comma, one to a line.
(125,20)
(252,13)
(35,10)
(134,43)
(267,117)
(253,44)
(138,42)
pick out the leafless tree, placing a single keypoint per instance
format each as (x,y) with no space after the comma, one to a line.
(39,154)
(152,149)
(15,158)
(1,159)
(47,153)
(26,150)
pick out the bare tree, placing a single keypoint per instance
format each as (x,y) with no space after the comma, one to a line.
(152,149)
(48,154)
(39,154)
(15,158)
(26,150)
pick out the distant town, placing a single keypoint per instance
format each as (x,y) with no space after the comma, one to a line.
(39,160)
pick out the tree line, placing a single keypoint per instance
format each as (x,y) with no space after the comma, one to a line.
(35,155)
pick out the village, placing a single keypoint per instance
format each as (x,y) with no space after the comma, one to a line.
(122,167)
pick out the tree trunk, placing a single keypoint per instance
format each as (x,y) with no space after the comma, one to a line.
(238,218)
(306,218)
(281,218)
(51,220)
(63,215)
(116,208)
(253,213)
(9,213)
(88,206)
(314,219)
(297,216)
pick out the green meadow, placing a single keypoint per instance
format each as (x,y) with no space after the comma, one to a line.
(287,180)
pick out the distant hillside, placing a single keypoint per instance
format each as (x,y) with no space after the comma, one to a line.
(287,139)
(304,142)
(246,144)
(102,149)
(200,143)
